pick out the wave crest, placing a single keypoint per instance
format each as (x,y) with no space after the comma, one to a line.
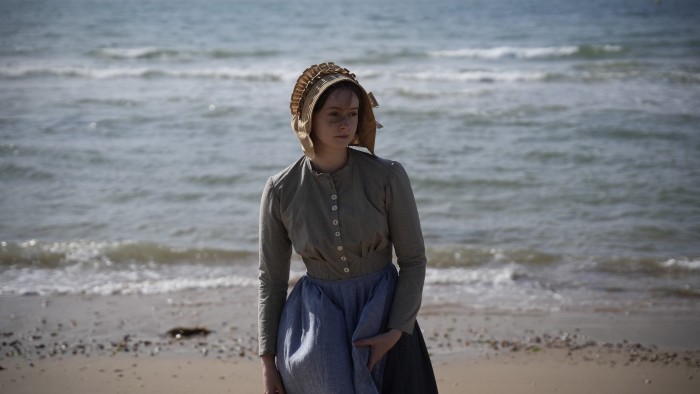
(40,254)
(507,52)
(477,76)
(141,72)
(175,54)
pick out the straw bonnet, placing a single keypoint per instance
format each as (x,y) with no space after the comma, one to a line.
(310,86)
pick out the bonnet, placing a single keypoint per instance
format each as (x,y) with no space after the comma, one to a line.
(310,86)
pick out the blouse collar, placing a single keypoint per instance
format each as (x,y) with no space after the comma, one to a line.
(341,173)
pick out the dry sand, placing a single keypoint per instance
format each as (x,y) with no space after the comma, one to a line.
(118,344)
(548,372)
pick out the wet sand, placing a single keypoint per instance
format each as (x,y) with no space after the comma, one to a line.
(120,344)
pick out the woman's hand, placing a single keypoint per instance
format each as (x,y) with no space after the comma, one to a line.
(379,345)
(272,380)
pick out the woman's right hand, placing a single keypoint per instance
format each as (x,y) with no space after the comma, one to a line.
(272,380)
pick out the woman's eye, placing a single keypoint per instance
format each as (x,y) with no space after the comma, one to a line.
(337,117)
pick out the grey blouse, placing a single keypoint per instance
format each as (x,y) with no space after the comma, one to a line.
(343,225)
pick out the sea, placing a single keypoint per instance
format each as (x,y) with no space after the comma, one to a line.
(553,145)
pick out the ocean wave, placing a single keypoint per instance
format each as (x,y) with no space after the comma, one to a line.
(108,102)
(145,279)
(585,73)
(684,292)
(133,53)
(504,287)
(104,268)
(13,171)
(436,185)
(683,264)
(601,71)
(114,255)
(142,72)
(496,276)
(652,267)
(446,257)
(416,94)
(215,180)
(255,75)
(532,260)
(168,285)
(477,76)
(383,57)
(141,280)
(177,54)
(507,52)
(683,77)
(634,134)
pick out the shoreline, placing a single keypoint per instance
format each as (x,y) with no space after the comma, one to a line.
(121,343)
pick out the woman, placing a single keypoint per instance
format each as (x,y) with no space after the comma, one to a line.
(342,210)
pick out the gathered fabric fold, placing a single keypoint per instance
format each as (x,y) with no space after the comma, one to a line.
(320,322)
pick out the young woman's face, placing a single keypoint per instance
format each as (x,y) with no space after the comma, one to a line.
(335,124)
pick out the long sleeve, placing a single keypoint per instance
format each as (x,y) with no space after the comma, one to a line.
(275,253)
(407,238)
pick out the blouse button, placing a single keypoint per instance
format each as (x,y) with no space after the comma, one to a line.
(337,233)
(335,222)
(334,208)
(340,247)
(343,258)
(346,269)
(334,197)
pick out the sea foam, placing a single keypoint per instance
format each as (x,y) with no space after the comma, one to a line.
(506,52)
(141,72)
(476,76)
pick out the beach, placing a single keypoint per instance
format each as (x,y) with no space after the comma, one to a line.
(552,148)
(120,344)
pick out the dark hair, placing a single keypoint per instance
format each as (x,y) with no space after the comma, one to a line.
(344,85)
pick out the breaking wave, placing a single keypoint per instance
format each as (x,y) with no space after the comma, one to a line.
(141,72)
(507,52)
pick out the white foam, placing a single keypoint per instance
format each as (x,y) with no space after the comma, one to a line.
(490,287)
(682,263)
(141,72)
(78,279)
(422,94)
(475,76)
(170,285)
(492,277)
(506,52)
(130,53)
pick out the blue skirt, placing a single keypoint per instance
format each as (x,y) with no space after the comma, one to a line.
(320,321)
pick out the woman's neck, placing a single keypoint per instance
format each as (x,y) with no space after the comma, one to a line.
(330,162)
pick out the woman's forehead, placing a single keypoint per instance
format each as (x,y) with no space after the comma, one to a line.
(342,98)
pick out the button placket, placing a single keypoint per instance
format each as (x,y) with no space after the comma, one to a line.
(336,228)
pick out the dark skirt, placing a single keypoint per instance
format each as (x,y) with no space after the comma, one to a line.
(408,369)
